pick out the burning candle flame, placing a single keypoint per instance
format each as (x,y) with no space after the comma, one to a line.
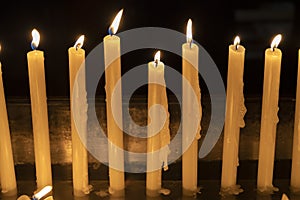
(189,35)
(276,41)
(42,193)
(157,58)
(237,42)
(115,24)
(79,42)
(35,39)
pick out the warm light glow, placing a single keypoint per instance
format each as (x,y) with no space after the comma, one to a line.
(43,192)
(35,39)
(237,42)
(115,25)
(276,41)
(284,197)
(79,42)
(189,35)
(157,57)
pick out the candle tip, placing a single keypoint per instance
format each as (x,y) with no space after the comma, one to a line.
(237,42)
(276,41)
(189,35)
(79,42)
(42,192)
(35,39)
(115,24)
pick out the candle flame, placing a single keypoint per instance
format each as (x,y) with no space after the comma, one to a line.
(284,197)
(237,42)
(79,42)
(42,193)
(189,35)
(276,41)
(157,57)
(115,24)
(35,39)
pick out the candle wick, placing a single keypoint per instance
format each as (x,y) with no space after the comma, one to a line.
(236,47)
(110,31)
(77,46)
(191,43)
(156,62)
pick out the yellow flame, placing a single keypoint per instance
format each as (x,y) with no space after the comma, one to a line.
(157,57)
(237,41)
(189,35)
(79,42)
(115,24)
(35,38)
(276,41)
(43,192)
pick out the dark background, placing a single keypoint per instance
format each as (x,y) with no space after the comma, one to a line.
(215,25)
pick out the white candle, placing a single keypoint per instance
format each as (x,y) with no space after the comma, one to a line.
(39,113)
(295,175)
(190,87)
(7,167)
(112,61)
(158,126)
(269,118)
(78,100)
(234,119)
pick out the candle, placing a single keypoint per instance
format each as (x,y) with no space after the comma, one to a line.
(39,113)
(295,176)
(7,167)
(158,126)
(190,87)
(234,119)
(112,62)
(39,195)
(78,100)
(269,118)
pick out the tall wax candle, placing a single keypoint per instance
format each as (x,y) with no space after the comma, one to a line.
(79,102)
(191,118)
(158,126)
(295,176)
(39,113)
(7,167)
(112,62)
(234,119)
(269,118)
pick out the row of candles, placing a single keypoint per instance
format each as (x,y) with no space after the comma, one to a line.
(235,111)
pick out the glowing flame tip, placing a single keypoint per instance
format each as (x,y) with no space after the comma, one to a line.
(35,39)
(157,57)
(115,24)
(276,41)
(79,42)
(189,35)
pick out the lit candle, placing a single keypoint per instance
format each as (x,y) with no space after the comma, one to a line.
(39,113)
(190,87)
(269,118)
(235,111)
(7,167)
(295,176)
(39,195)
(112,62)
(78,100)
(158,126)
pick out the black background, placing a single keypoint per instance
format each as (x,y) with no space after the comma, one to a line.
(214,22)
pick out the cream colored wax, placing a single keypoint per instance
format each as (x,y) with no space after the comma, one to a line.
(234,117)
(39,113)
(269,117)
(158,127)
(7,167)
(112,61)
(295,176)
(78,100)
(191,117)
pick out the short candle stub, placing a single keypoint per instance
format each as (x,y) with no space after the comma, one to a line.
(189,35)
(112,30)
(276,42)
(237,42)
(35,39)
